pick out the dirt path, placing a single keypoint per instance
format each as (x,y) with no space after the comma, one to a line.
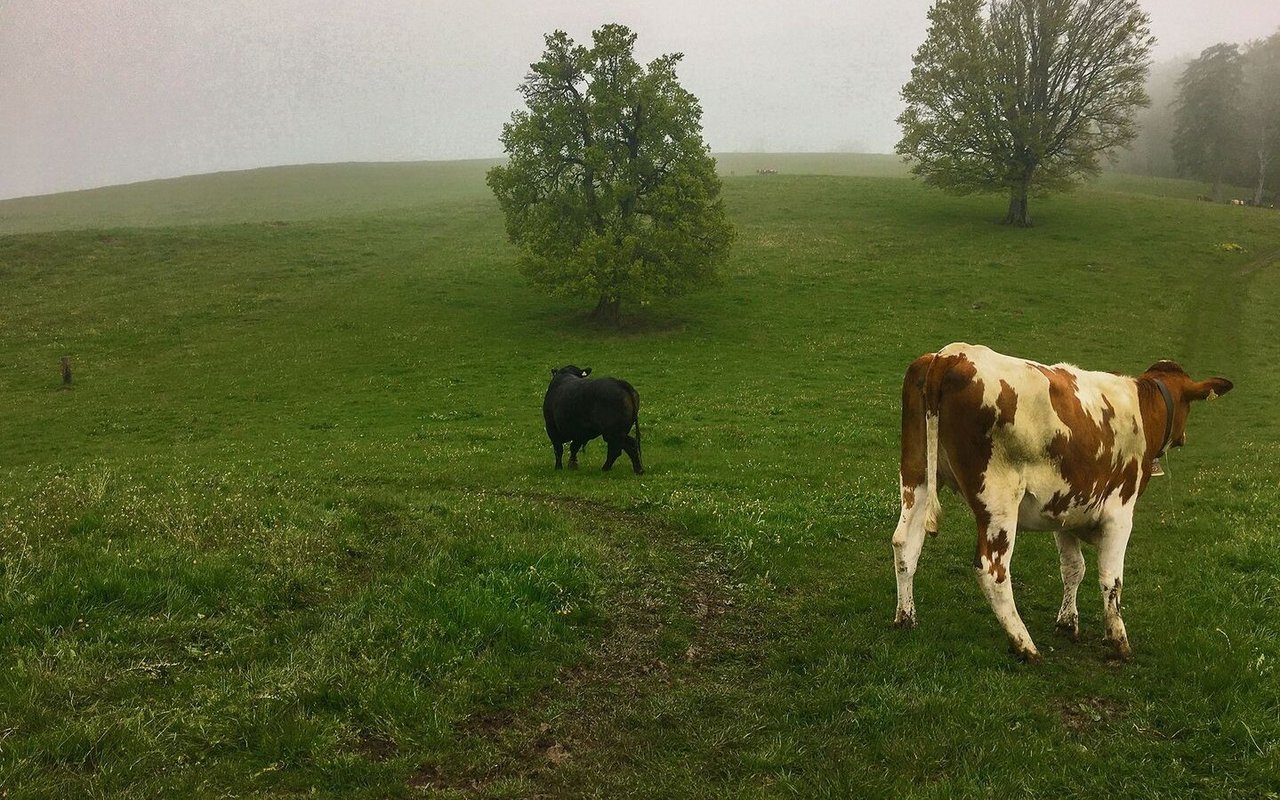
(1261,263)
(671,590)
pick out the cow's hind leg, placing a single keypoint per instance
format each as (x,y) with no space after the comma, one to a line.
(1071,563)
(919,515)
(615,450)
(908,541)
(620,444)
(574,447)
(559,447)
(632,448)
(993,564)
(1111,547)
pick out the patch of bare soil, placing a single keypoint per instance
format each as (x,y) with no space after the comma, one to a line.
(375,747)
(1083,714)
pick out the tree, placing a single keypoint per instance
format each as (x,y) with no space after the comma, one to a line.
(609,191)
(1261,117)
(1207,136)
(1026,98)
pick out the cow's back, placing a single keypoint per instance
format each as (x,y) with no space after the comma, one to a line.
(1071,438)
(585,408)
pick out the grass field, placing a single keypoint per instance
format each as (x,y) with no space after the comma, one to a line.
(295,529)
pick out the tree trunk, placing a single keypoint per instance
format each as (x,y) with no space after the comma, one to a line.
(1018,212)
(607,310)
(1262,177)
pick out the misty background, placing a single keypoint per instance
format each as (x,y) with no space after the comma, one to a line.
(103,92)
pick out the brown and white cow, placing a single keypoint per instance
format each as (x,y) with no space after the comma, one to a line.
(1050,448)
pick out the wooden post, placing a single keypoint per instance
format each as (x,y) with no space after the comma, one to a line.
(66,371)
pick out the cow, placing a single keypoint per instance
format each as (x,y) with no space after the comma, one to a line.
(1035,447)
(578,410)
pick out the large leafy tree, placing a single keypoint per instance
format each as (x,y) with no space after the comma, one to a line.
(1023,96)
(609,190)
(1208,135)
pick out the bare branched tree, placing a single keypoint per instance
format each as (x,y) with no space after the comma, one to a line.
(1023,96)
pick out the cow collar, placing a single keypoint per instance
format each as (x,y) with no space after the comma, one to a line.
(1168,417)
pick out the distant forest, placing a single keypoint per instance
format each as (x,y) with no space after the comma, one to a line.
(1216,118)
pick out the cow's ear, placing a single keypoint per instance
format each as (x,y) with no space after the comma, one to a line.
(1209,388)
(586,372)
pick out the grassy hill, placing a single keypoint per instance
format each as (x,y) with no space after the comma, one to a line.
(295,527)
(331,191)
(272,194)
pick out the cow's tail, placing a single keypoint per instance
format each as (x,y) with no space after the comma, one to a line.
(932,408)
(635,399)
(932,508)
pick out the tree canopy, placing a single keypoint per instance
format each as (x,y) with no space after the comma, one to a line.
(1023,96)
(1227,116)
(609,190)
(1208,136)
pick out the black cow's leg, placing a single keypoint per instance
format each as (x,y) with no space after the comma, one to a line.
(559,446)
(633,452)
(574,447)
(615,450)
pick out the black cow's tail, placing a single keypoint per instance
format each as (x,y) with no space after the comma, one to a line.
(635,398)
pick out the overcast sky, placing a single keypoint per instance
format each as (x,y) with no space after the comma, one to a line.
(99,92)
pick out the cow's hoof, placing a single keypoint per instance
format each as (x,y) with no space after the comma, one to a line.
(1068,630)
(1120,650)
(1024,652)
(606,468)
(573,465)
(639,471)
(1031,656)
(904,621)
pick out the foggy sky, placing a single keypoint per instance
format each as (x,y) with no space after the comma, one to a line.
(100,92)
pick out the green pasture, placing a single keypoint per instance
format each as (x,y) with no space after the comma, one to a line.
(295,531)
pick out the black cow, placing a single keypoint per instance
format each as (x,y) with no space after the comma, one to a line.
(578,410)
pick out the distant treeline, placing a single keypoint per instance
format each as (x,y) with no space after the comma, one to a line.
(1215,118)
